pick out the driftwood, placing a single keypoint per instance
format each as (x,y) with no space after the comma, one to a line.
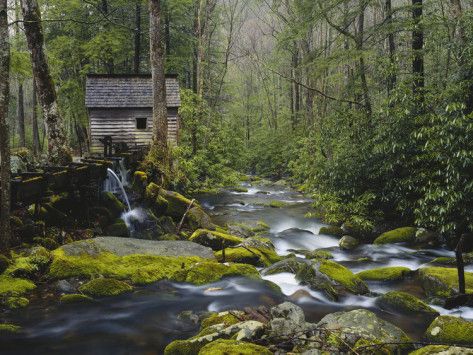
(179,226)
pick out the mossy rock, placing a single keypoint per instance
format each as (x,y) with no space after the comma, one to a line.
(399,235)
(385,274)
(208,272)
(405,303)
(343,276)
(6,329)
(10,286)
(177,203)
(225,318)
(118,229)
(332,230)
(140,180)
(253,256)
(450,330)
(198,218)
(76,298)
(348,243)
(47,243)
(214,239)
(225,347)
(4,263)
(112,203)
(292,265)
(319,254)
(442,349)
(443,282)
(103,287)
(240,189)
(277,204)
(17,302)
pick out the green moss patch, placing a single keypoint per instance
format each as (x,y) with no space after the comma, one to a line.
(332,230)
(399,235)
(7,328)
(207,272)
(224,347)
(444,349)
(103,287)
(277,204)
(405,303)
(76,298)
(17,302)
(214,239)
(253,256)
(225,318)
(450,330)
(14,286)
(384,274)
(343,276)
(443,282)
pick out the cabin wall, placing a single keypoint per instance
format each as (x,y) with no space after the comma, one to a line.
(121,125)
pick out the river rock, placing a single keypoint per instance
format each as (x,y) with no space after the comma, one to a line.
(129,246)
(348,243)
(292,265)
(442,350)
(215,240)
(399,235)
(450,330)
(288,319)
(197,218)
(406,303)
(358,328)
(442,282)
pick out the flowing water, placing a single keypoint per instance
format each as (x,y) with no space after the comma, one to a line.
(151,317)
(115,185)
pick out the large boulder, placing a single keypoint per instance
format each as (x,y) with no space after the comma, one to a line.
(292,265)
(399,235)
(249,255)
(361,328)
(442,282)
(197,218)
(332,231)
(450,330)
(215,240)
(442,350)
(103,287)
(348,243)
(288,319)
(406,303)
(112,203)
(393,273)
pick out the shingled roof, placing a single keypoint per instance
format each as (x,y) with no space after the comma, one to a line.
(124,91)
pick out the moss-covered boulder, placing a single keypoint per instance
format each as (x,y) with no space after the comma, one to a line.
(225,347)
(258,257)
(75,298)
(292,265)
(225,318)
(406,303)
(359,328)
(334,231)
(208,272)
(7,328)
(198,218)
(348,243)
(442,349)
(17,302)
(103,287)
(118,229)
(277,204)
(399,235)
(385,274)
(10,286)
(450,330)
(443,282)
(215,240)
(318,254)
(331,278)
(31,265)
(140,181)
(177,203)
(112,203)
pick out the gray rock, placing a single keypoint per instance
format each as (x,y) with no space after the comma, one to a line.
(445,350)
(289,311)
(288,319)
(17,165)
(129,246)
(65,286)
(291,265)
(348,243)
(249,330)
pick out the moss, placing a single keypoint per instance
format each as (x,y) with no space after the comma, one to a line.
(443,282)
(118,229)
(444,261)
(140,179)
(253,256)
(450,330)
(183,347)
(17,302)
(102,287)
(404,302)
(435,349)
(371,346)
(214,239)
(224,347)
(47,243)
(261,227)
(343,276)
(399,235)
(14,286)
(239,189)
(112,203)
(145,269)
(76,298)
(4,263)
(332,230)
(7,328)
(384,274)
(177,203)
(277,204)
(319,254)
(226,318)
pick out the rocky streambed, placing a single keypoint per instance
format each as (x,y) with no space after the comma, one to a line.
(282,283)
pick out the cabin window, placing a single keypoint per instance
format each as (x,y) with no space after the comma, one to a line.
(141,123)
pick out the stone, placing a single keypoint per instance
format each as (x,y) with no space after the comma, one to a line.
(334,231)
(393,273)
(215,240)
(112,203)
(129,246)
(65,286)
(348,243)
(450,330)
(197,218)
(442,282)
(287,319)
(103,287)
(292,265)
(406,303)
(442,350)
(226,347)
(399,235)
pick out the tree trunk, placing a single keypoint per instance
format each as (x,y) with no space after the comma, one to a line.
(21,115)
(58,149)
(417,49)
(36,146)
(160,123)
(392,78)
(137,56)
(5,173)
(361,62)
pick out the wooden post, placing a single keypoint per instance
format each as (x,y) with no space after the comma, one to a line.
(460,265)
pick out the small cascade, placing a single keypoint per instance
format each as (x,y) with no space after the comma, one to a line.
(123,173)
(114,185)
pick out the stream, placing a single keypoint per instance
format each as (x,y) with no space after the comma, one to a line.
(148,319)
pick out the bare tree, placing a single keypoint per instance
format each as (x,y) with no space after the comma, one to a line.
(417,49)
(137,56)
(58,149)
(159,149)
(4,131)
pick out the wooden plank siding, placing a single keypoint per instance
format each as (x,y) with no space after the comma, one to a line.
(121,125)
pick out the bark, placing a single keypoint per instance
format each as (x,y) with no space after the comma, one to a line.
(199,48)
(392,78)
(21,115)
(418,55)
(137,56)
(58,149)
(5,173)
(160,123)
(361,62)
(36,146)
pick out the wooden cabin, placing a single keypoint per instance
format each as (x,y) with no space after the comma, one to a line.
(121,106)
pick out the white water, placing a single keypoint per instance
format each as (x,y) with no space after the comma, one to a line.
(136,214)
(113,184)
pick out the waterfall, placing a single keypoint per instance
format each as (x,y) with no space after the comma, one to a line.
(123,172)
(114,185)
